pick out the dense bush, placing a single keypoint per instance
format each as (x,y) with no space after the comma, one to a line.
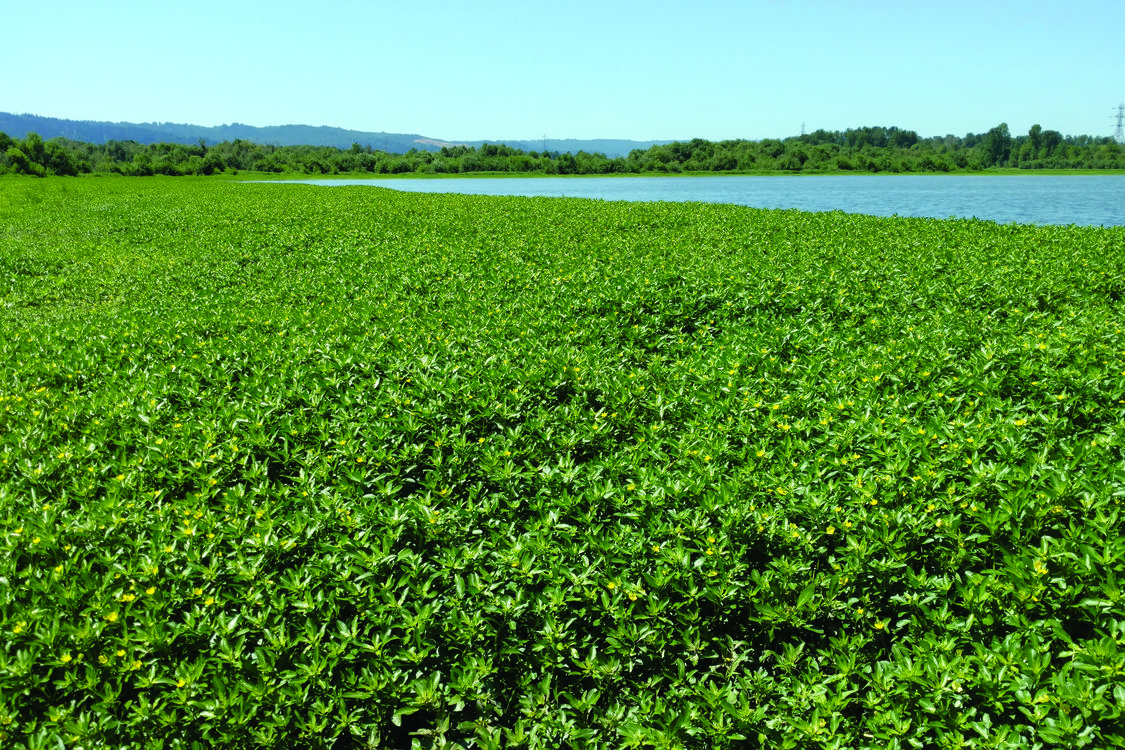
(867,149)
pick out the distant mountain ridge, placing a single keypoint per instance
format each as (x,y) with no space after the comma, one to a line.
(89,131)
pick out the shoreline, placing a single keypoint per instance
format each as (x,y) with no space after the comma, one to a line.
(246,176)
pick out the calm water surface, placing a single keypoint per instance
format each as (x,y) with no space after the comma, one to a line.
(1090,200)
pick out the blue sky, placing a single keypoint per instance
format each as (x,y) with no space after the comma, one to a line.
(581,69)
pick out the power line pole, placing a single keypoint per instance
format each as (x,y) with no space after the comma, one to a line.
(1119,134)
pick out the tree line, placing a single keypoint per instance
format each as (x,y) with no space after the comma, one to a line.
(866,149)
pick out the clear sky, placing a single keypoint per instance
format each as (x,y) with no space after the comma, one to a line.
(577,69)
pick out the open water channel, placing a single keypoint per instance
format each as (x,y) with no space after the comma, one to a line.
(1091,200)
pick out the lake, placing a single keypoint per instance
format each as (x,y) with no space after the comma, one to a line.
(1092,200)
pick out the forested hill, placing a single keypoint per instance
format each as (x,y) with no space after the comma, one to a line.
(98,133)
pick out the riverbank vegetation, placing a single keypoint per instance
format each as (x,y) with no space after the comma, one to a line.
(287,467)
(872,149)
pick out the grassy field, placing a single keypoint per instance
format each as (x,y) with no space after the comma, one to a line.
(283,466)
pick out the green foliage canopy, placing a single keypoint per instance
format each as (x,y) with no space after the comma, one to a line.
(869,149)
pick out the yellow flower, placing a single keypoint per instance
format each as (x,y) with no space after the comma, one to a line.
(150,590)
(181,682)
(209,602)
(880,625)
(121,652)
(112,617)
(611,585)
(830,530)
(19,628)
(65,658)
(197,592)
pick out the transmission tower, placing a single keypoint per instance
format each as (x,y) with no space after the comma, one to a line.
(1119,134)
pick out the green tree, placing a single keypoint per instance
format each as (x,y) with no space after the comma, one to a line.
(23,165)
(566,164)
(60,159)
(996,146)
(35,149)
(793,159)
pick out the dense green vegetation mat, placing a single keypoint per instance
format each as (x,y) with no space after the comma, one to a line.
(295,466)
